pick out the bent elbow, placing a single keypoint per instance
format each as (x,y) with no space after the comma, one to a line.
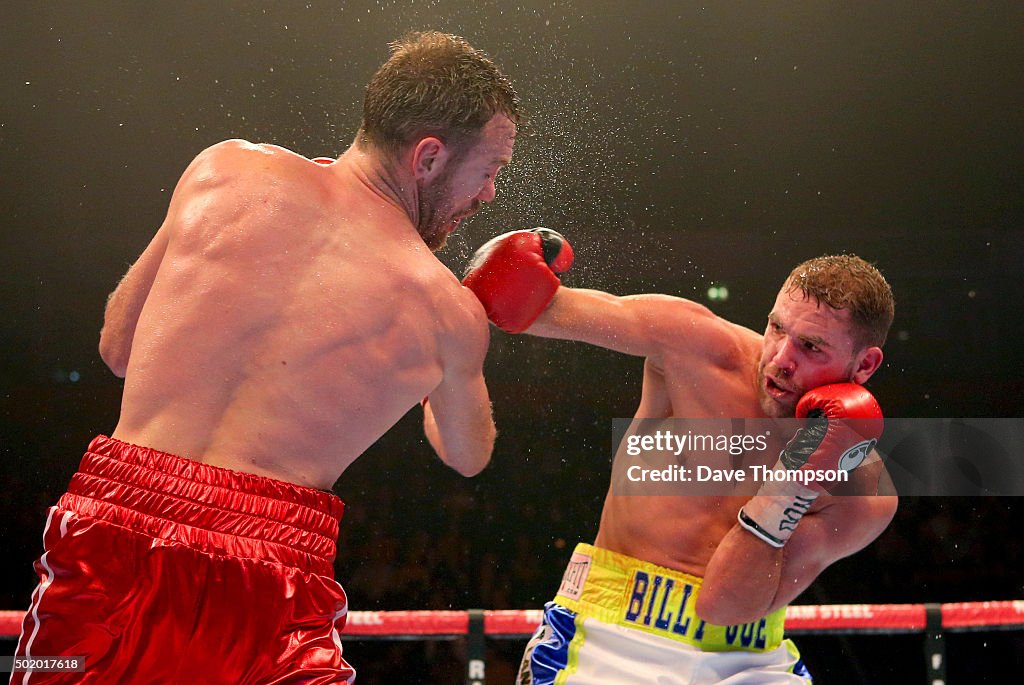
(464,452)
(720,611)
(472,464)
(117,367)
(113,357)
(472,469)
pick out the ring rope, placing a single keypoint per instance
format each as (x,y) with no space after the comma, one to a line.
(519,623)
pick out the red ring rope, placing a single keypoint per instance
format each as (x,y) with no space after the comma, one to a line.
(799,619)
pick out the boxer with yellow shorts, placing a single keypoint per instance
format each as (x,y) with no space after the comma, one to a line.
(692,589)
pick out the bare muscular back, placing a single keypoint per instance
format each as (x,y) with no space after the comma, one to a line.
(294,316)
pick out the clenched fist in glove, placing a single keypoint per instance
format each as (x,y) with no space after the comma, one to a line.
(843,423)
(515,275)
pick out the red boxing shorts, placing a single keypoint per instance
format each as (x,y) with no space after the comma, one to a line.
(159,569)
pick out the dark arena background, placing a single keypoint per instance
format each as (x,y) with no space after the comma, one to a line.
(694,149)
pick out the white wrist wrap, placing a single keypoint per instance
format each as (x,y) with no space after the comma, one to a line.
(773,513)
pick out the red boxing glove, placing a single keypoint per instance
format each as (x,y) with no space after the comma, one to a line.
(515,275)
(852,426)
(843,424)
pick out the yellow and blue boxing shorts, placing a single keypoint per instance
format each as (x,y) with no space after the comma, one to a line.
(617,619)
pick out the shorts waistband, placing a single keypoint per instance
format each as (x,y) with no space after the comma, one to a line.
(206,507)
(620,590)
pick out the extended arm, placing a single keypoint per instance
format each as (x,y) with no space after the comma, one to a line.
(516,278)
(639,325)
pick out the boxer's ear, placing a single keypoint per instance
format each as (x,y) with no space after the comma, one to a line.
(868,361)
(429,157)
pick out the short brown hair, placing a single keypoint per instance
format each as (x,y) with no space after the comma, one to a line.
(848,282)
(434,84)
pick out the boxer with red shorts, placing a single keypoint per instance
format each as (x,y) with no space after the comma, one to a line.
(148,557)
(286,314)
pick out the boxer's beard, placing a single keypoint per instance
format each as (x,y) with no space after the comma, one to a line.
(435,210)
(769,405)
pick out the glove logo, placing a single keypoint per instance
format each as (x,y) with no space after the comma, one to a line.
(855,456)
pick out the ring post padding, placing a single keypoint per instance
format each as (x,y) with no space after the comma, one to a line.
(934,645)
(476,648)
